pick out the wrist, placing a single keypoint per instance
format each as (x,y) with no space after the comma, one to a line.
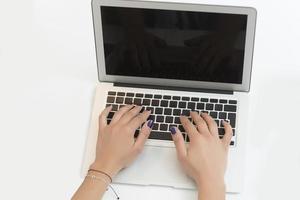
(110,169)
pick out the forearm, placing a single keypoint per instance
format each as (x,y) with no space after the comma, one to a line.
(92,188)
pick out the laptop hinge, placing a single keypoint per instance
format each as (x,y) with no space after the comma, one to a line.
(117,84)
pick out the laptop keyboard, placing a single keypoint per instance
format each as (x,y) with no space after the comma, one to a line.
(166,110)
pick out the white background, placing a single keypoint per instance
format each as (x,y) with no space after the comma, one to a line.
(47,80)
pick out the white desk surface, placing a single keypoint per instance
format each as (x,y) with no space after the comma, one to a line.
(47,80)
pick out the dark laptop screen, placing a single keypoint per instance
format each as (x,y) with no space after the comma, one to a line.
(183,45)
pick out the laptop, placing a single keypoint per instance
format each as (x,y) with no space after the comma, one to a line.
(172,58)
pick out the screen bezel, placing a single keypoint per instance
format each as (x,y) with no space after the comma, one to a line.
(249,46)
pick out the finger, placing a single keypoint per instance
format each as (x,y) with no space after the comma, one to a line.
(143,136)
(103,117)
(128,116)
(118,115)
(212,125)
(228,134)
(179,143)
(200,123)
(139,119)
(189,127)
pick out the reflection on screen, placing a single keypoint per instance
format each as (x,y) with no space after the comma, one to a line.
(169,44)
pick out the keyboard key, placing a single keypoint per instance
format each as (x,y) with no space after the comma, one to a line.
(108,121)
(114,107)
(230,108)
(159,118)
(107,105)
(209,106)
(136,133)
(182,104)
(176,98)
(187,138)
(169,119)
(152,117)
(158,110)
(213,100)
(110,115)
(233,132)
(122,105)
(110,99)
(223,101)
(150,96)
(155,102)
(142,110)
(217,122)
(195,99)
(232,118)
(200,106)
(177,120)
(213,114)
(139,95)
(128,100)
(176,112)
(204,99)
(221,131)
(185,98)
(163,127)
(168,111)
(185,112)
(180,127)
(111,93)
(222,115)
(137,101)
(120,100)
(155,126)
(166,97)
(130,94)
(150,108)
(219,107)
(191,105)
(157,96)
(158,135)
(232,143)
(121,94)
(173,104)
(164,103)
(146,102)
(232,101)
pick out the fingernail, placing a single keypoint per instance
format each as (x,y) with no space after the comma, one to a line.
(173,130)
(150,123)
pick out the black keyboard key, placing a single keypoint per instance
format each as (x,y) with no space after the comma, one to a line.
(223,101)
(185,112)
(121,94)
(114,107)
(110,115)
(110,99)
(217,122)
(152,117)
(195,99)
(176,112)
(142,110)
(213,100)
(146,102)
(168,111)
(107,105)
(130,94)
(139,95)
(150,109)
(157,96)
(180,127)
(187,138)
(112,93)
(200,106)
(163,127)
(119,100)
(222,115)
(158,111)
(128,100)
(221,131)
(155,126)
(232,101)
(137,101)
(213,114)
(149,96)
(173,104)
(121,106)
(185,98)
(177,120)
(159,118)
(108,121)
(232,118)
(155,102)
(191,105)
(204,111)
(209,106)
(204,99)
(169,119)
(232,143)
(136,133)
(230,108)
(219,107)
(182,104)
(176,98)
(233,132)
(166,97)
(164,103)
(158,135)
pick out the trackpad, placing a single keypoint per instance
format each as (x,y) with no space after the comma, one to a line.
(156,166)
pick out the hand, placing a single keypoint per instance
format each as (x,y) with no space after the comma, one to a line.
(116,146)
(205,159)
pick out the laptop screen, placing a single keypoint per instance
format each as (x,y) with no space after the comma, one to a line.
(183,45)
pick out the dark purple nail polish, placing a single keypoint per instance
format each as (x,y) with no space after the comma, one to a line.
(150,123)
(173,130)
